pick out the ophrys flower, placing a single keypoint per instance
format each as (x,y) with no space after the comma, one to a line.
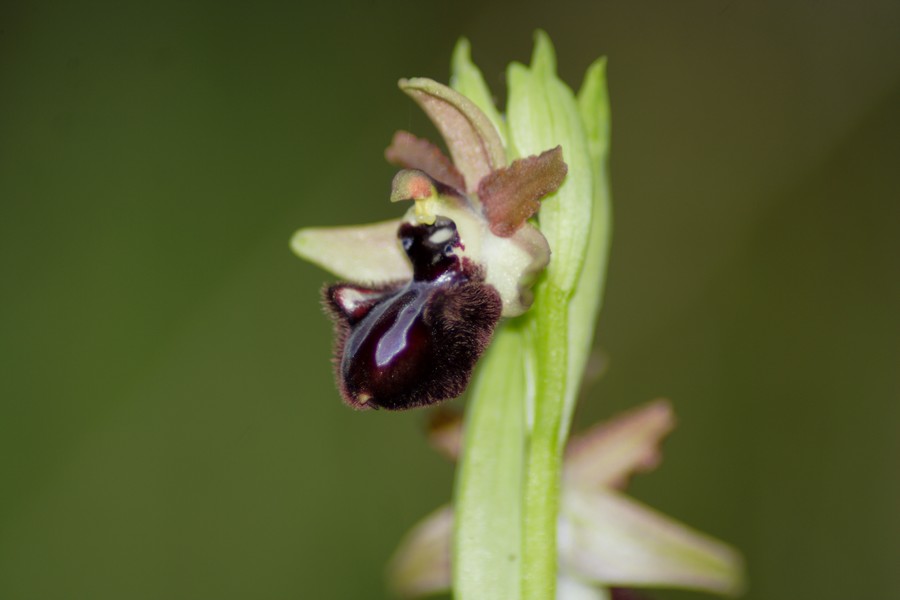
(426,291)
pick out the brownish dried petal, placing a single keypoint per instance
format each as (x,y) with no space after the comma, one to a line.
(411,152)
(511,195)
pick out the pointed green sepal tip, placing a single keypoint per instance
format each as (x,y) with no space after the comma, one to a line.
(462,53)
(593,103)
(543,58)
(467,79)
(542,113)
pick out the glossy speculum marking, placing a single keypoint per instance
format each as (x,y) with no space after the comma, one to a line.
(414,343)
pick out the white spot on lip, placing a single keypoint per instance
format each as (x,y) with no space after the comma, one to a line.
(441,235)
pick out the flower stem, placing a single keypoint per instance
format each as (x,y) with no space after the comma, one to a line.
(549,329)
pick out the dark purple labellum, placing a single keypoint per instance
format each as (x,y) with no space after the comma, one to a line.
(415,343)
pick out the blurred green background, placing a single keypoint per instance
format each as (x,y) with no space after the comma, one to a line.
(169,426)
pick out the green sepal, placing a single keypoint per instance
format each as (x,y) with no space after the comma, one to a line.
(585,304)
(466,78)
(542,113)
(368,254)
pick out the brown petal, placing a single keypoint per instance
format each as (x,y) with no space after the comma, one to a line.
(411,152)
(511,195)
(470,136)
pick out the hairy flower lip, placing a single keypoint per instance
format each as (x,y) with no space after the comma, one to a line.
(414,343)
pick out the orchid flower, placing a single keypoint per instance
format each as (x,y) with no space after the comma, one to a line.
(410,329)
(500,260)
(605,538)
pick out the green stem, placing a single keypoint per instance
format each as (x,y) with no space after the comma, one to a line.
(541,509)
(544,463)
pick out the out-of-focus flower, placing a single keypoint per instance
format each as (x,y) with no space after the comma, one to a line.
(606,539)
